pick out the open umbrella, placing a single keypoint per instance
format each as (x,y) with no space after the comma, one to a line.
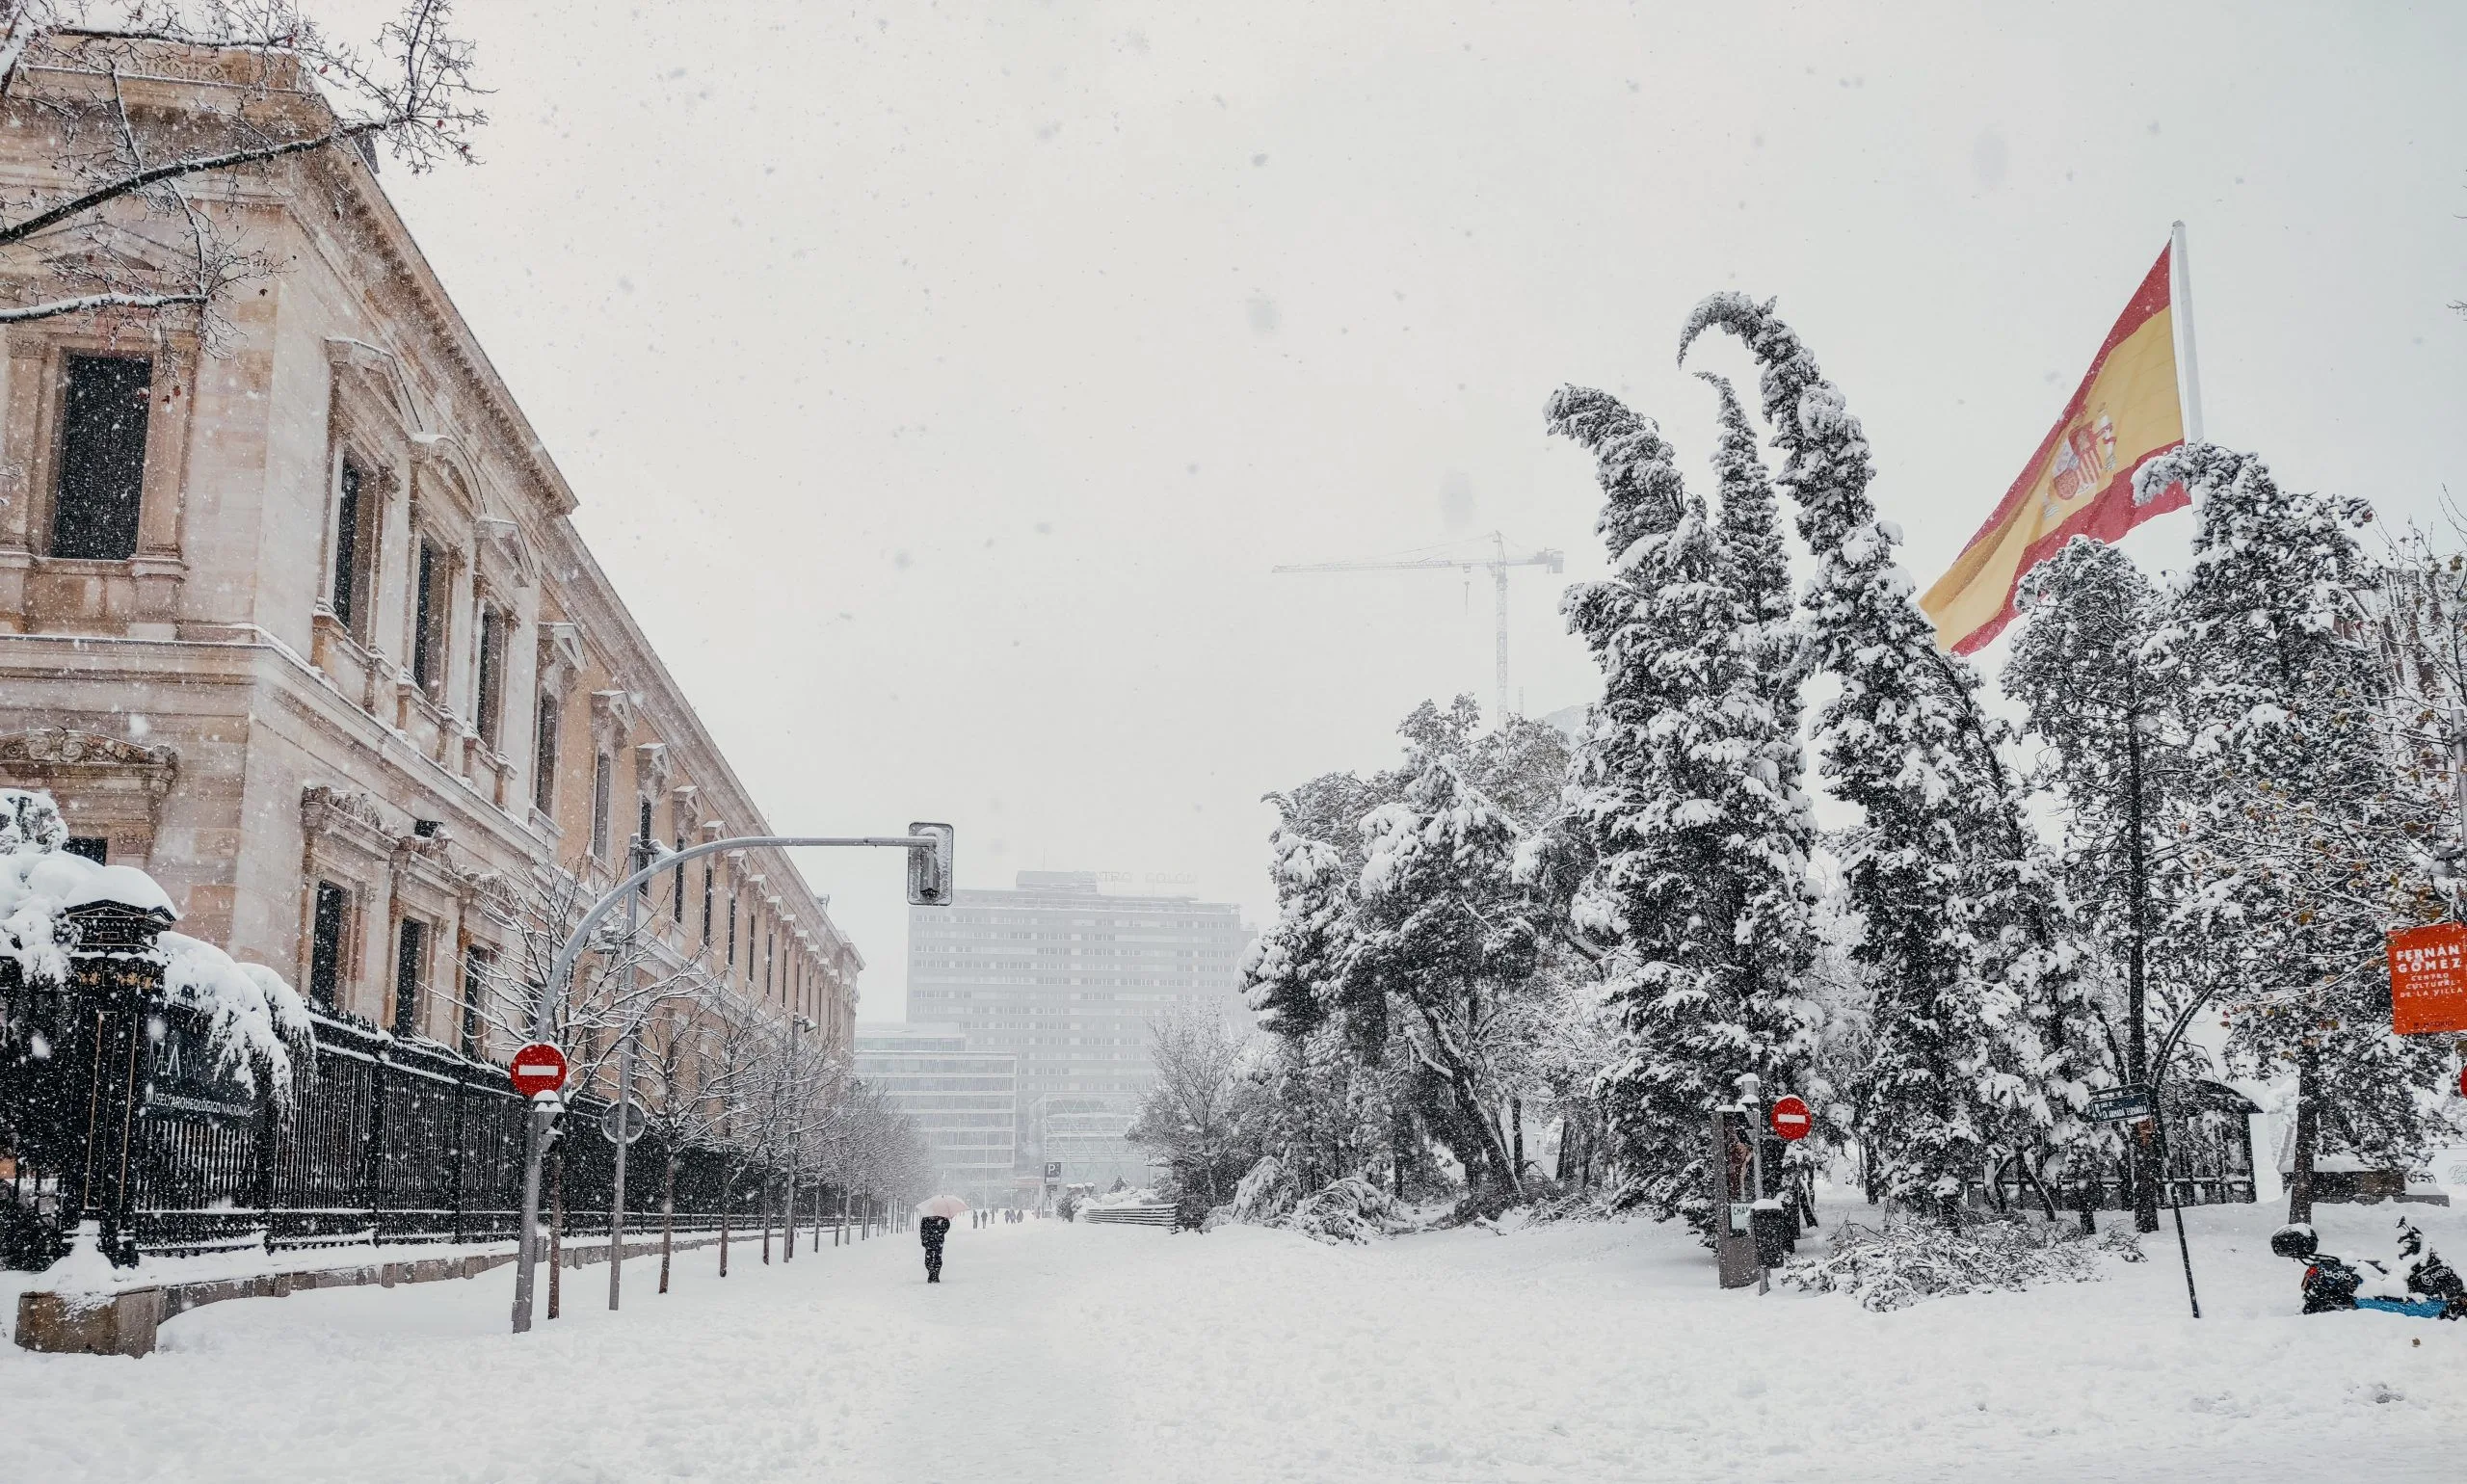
(951,1206)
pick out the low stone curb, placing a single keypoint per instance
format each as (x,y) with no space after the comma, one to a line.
(127,1322)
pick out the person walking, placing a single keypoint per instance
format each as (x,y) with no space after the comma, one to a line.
(931,1232)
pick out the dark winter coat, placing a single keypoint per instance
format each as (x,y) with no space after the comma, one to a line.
(931,1231)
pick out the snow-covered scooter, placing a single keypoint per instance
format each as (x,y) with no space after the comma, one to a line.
(2429,1290)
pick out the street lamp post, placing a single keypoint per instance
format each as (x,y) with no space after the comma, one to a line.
(636,854)
(929,848)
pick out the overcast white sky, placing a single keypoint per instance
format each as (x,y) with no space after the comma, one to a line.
(940,381)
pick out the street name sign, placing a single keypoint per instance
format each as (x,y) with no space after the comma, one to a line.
(1790,1116)
(2120,1104)
(2428,979)
(537,1068)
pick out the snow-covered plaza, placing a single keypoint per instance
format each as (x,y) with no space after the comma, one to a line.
(1054,1351)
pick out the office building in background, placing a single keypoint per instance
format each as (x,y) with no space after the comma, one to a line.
(965,1103)
(1067,978)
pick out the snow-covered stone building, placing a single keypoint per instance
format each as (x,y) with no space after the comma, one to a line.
(298,623)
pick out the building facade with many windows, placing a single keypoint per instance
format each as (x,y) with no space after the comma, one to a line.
(963,1103)
(297,621)
(1068,978)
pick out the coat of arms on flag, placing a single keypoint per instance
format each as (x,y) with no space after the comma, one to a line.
(2080,482)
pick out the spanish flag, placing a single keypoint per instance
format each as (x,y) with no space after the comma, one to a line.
(2079,483)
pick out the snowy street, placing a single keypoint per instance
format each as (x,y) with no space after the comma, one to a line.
(1099,1353)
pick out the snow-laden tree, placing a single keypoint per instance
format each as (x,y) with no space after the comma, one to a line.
(140,215)
(1201,1110)
(1325,1113)
(1444,938)
(1293,973)
(1700,872)
(2301,838)
(2108,702)
(1985,1039)
(1759,579)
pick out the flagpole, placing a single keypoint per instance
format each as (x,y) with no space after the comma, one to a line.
(2179,297)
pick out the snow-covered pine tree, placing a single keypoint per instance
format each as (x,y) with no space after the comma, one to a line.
(1700,846)
(1294,970)
(1984,1037)
(2302,834)
(1760,577)
(2110,704)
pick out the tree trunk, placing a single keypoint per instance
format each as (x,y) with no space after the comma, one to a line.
(2308,1134)
(724,1207)
(1516,1118)
(2047,1199)
(2136,1011)
(667,1221)
(762,1198)
(1397,1149)
(788,1221)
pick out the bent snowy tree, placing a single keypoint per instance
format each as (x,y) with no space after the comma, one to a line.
(1985,1040)
(1684,785)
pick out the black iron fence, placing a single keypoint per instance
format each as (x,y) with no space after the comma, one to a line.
(110,1106)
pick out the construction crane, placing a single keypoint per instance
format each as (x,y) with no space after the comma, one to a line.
(1496,564)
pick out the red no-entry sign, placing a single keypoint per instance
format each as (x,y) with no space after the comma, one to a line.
(539,1068)
(1790,1116)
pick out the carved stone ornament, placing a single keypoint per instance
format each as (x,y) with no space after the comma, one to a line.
(560,656)
(321,807)
(612,713)
(651,764)
(43,749)
(504,540)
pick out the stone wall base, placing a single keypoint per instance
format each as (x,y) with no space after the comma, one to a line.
(127,1323)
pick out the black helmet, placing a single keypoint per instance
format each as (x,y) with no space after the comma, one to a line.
(2296,1241)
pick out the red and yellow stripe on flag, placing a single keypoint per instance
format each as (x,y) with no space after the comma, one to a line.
(2079,483)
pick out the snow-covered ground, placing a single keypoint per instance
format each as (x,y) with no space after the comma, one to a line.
(1059,1352)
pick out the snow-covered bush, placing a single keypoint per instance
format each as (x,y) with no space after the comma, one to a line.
(1266,1194)
(1907,1260)
(251,1016)
(1351,1209)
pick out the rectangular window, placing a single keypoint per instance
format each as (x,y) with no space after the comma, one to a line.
(731,930)
(706,906)
(326,946)
(410,962)
(488,706)
(544,758)
(102,457)
(428,625)
(354,549)
(642,838)
(477,962)
(677,896)
(602,782)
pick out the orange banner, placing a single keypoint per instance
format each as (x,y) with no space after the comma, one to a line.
(2079,483)
(2428,979)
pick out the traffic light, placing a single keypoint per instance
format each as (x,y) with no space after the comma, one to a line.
(929,869)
